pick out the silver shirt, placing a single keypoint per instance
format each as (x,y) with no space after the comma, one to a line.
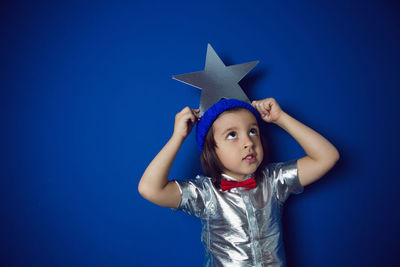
(242,227)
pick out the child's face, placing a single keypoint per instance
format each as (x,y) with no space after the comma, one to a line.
(237,137)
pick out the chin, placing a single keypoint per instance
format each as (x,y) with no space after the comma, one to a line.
(256,168)
(252,170)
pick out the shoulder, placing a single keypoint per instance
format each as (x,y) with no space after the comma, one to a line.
(276,169)
(283,177)
(199,183)
(196,195)
(199,179)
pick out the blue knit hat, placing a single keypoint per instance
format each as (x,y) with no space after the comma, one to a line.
(214,111)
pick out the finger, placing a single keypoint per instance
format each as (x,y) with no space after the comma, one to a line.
(264,111)
(272,102)
(267,106)
(192,116)
(268,103)
(261,107)
(191,122)
(187,110)
(183,111)
(184,115)
(256,105)
(196,113)
(189,116)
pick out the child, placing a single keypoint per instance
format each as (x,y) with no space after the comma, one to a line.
(240,199)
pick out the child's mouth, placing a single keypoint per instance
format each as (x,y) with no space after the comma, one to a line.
(250,158)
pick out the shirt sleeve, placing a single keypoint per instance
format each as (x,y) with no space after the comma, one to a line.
(193,196)
(285,179)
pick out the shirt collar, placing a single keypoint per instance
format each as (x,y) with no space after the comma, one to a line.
(230,178)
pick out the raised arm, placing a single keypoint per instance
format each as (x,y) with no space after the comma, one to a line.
(321,154)
(154,185)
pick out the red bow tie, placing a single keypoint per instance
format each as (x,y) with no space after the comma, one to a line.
(249,183)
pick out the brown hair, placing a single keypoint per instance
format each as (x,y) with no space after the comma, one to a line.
(210,162)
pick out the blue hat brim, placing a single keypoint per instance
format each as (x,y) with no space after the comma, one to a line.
(214,111)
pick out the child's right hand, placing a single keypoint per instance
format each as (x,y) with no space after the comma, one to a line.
(185,120)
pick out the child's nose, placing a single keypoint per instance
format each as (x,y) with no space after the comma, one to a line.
(248,142)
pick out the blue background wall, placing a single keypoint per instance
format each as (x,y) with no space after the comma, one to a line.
(87,100)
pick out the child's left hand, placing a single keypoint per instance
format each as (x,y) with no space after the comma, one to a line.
(268,108)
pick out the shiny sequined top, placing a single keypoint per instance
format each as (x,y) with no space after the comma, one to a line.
(242,227)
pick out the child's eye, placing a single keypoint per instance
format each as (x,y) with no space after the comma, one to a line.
(253,131)
(231,135)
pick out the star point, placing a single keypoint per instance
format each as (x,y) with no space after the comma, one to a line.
(217,80)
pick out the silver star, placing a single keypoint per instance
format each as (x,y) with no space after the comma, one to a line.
(217,81)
